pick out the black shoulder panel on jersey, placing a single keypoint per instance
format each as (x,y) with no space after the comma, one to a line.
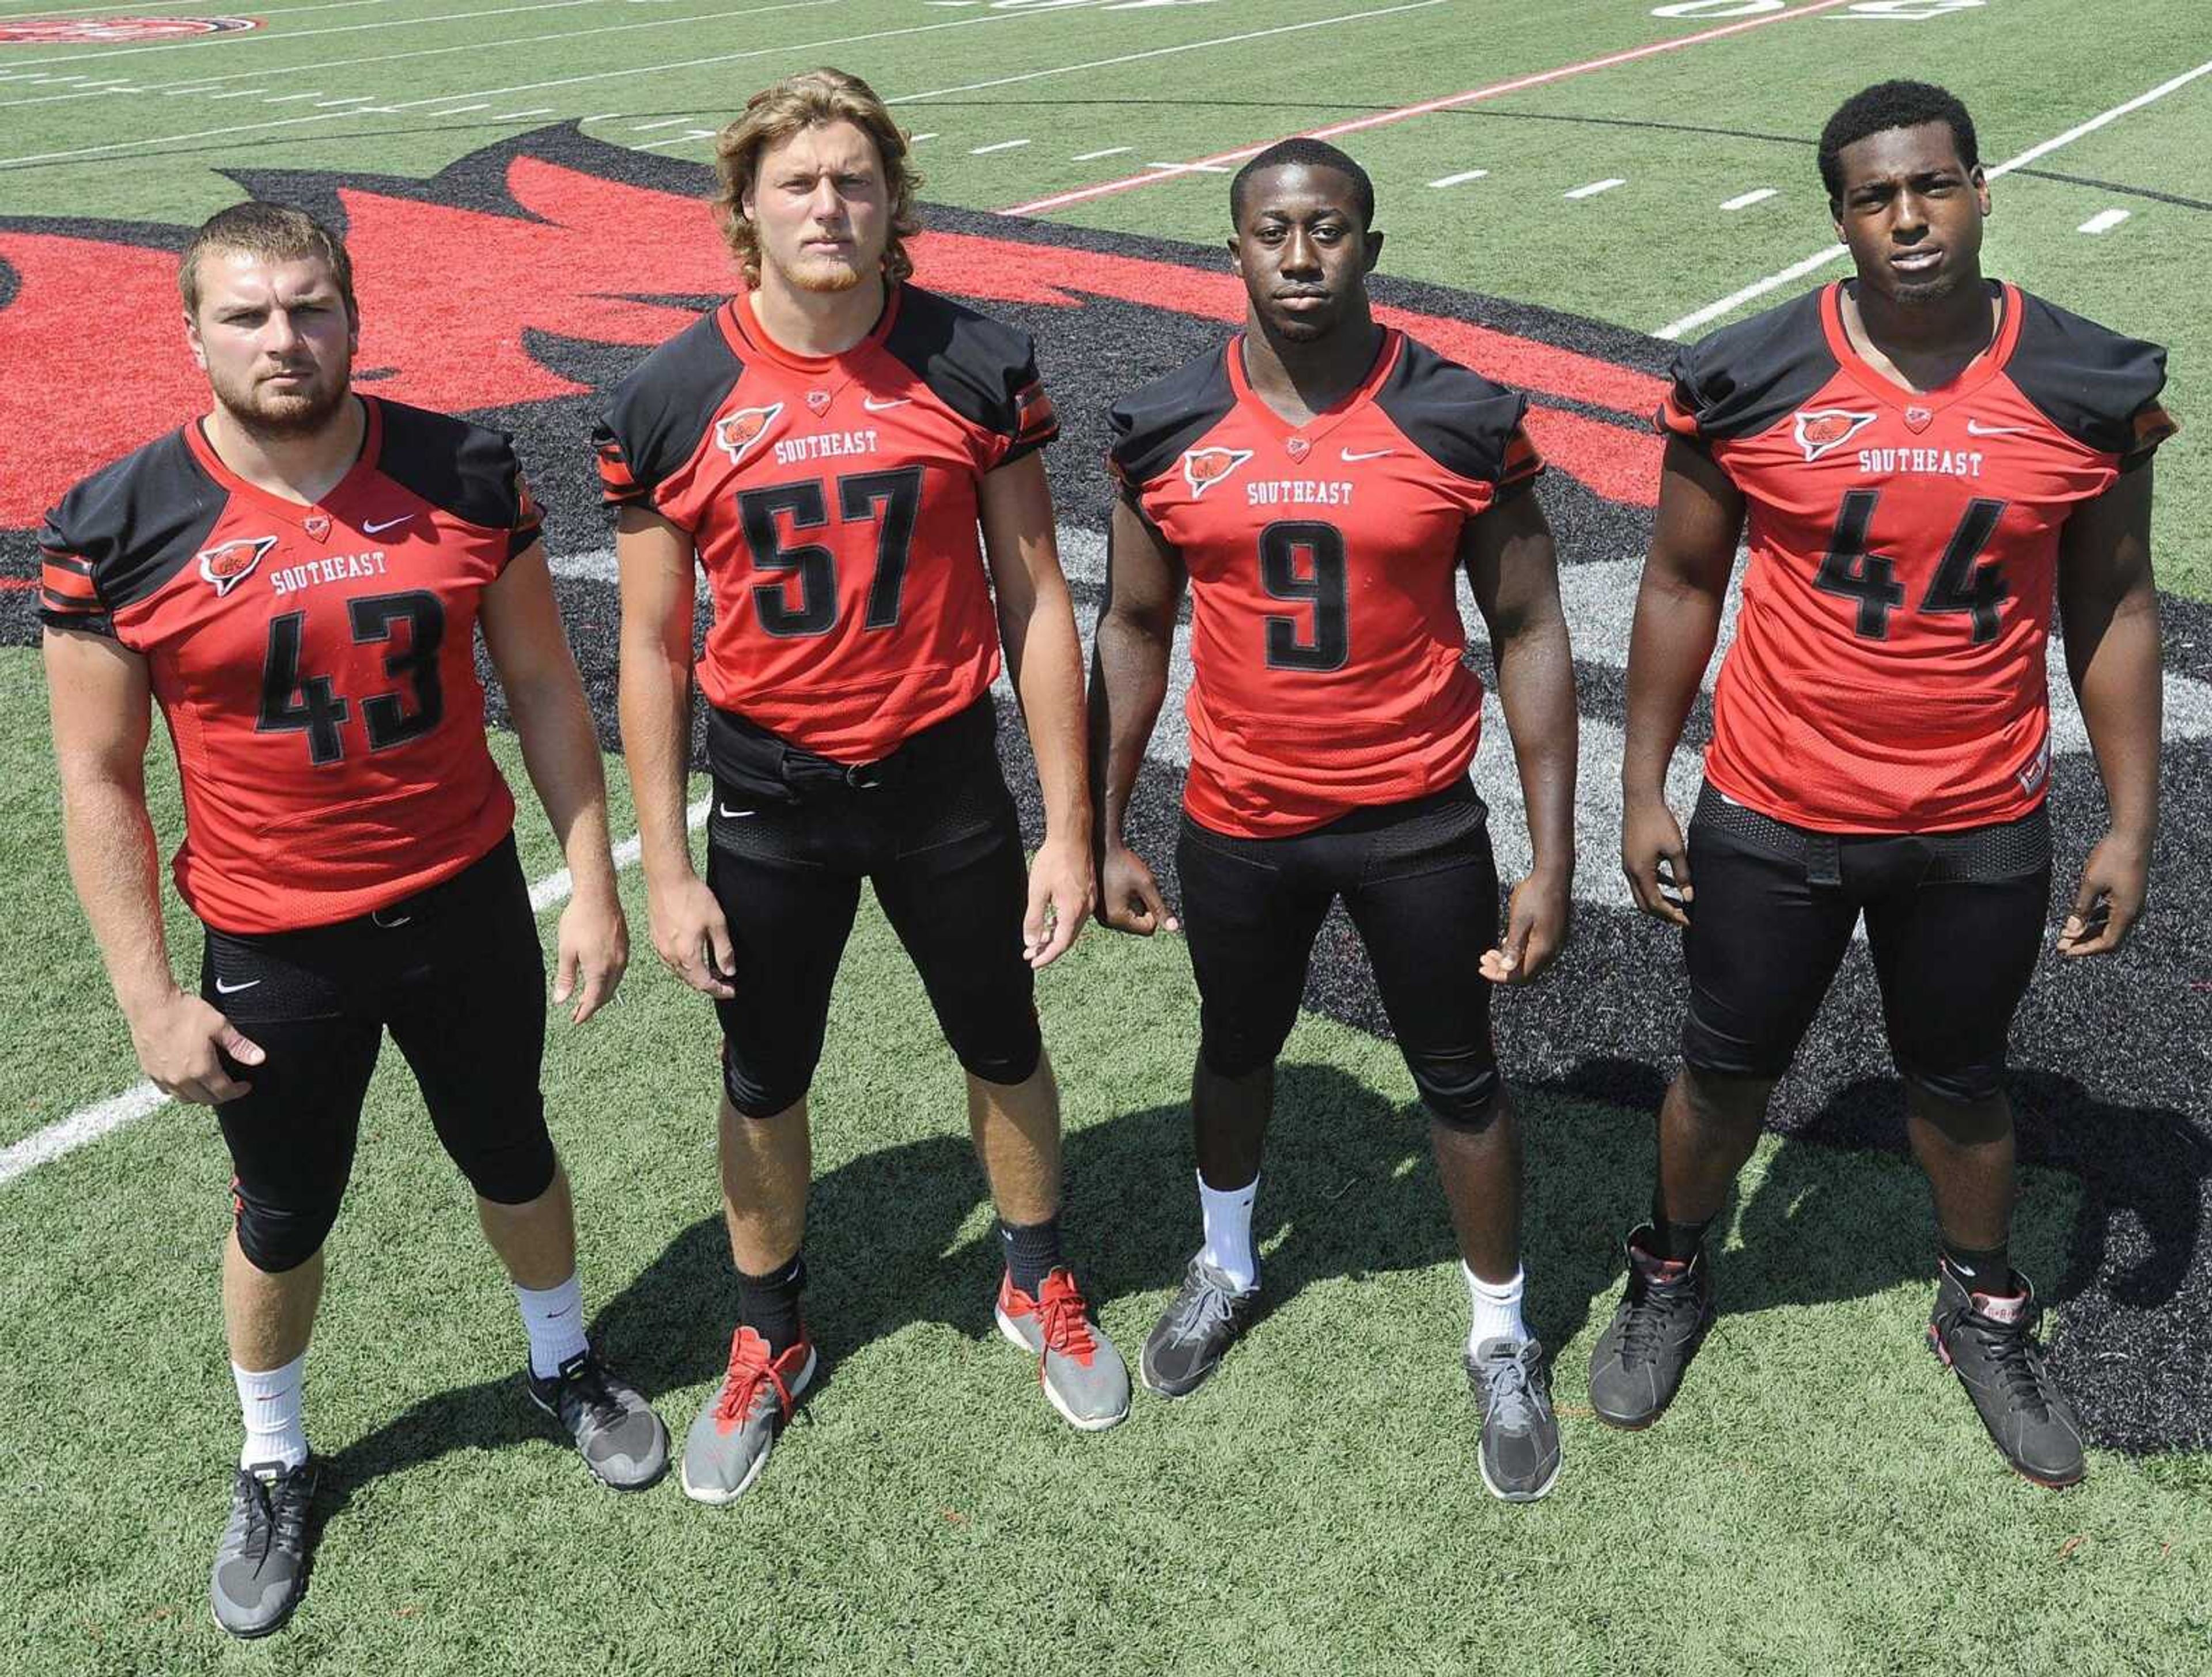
(657,417)
(1149,427)
(1743,377)
(2090,380)
(137,522)
(1451,413)
(979,367)
(466,470)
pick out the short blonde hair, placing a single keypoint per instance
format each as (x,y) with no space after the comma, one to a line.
(811,98)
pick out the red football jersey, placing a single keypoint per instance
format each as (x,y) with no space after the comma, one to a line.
(315,665)
(1888,673)
(833,502)
(1327,658)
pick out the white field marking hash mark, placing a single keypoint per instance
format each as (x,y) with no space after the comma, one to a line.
(1818,259)
(1745,200)
(1596,187)
(1000,145)
(2103,222)
(88,1124)
(672,122)
(1088,156)
(1461,178)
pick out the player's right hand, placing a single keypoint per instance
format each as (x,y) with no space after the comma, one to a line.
(178,1041)
(1129,898)
(691,937)
(1656,861)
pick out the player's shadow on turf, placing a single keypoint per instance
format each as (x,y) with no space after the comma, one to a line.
(901,1235)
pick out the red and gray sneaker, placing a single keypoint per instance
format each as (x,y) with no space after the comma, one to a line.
(1082,1374)
(1638,1363)
(729,1443)
(1989,1341)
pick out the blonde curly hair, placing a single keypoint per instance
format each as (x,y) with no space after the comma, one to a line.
(811,98)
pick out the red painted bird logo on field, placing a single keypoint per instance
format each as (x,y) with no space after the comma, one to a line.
(454,295)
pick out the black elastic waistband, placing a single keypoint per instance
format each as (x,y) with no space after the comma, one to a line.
(746,755)
(2001,850)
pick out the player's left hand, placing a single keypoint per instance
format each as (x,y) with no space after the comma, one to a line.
(593,955)
(2115,881)
(1061,892)
(1535,927)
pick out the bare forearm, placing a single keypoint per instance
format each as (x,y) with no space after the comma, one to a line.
(654,700)
(2117,683)
(1129,683)
(1536,689)
(114,864)
(1668,649)
(562,752)
(1045,661)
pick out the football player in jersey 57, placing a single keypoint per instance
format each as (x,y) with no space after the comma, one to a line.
(296,579)
(1922,460)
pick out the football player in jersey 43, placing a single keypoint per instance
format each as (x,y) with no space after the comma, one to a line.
(296,580)
(1317,485)
(1922,460)
(826,443)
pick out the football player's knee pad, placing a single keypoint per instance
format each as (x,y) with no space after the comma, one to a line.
(276,1239)
(758,1093)
(1004,1057)
(1967,1086)
(1462,1091)
(514,1169)
(1230,1052)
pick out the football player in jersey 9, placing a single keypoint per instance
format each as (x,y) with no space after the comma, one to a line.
(825,444)
(1922,459)
(296,578)
(1318,484)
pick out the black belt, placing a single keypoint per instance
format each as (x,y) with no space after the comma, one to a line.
(746,755)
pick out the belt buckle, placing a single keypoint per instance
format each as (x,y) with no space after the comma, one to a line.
(865,776)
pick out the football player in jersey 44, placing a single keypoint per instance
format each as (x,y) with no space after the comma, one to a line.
(1922,461)
(826,443)
(296,580)
(1318,484)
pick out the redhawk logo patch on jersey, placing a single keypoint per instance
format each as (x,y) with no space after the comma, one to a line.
(1819,430)
(818,401)
(1202,468)
(318,525)
(231,563)
(1297,447)
(735,432)
(1918,420)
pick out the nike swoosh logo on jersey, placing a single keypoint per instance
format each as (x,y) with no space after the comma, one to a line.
(874,406)
(733,815)
(223,990)
(379,529)
(1976,428)
(1351,459)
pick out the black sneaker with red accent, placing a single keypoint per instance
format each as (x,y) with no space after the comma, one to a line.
(1638,1363)
(1989,1341)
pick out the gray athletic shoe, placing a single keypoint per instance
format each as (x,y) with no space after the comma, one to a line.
(1082,1374)
(728,1445)
(1512,1388)
(1664,1316)
(1989,1341)
(614,1427)
(261,1564)
(1205,1317)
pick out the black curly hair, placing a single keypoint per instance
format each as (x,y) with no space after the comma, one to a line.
(1888,105)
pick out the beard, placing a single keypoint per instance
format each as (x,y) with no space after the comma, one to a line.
(283,414)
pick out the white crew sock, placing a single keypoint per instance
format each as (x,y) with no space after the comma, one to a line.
(1497,1309)
(1228,1214)
(553,1319)
(271,1404)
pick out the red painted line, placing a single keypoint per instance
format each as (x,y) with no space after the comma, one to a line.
(1127,183)
(18,582)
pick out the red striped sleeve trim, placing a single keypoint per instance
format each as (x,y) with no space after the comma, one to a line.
(64,583)
(1035,418)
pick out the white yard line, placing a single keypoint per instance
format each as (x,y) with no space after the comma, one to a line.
(1821,258)
(791,49)
(142,1100)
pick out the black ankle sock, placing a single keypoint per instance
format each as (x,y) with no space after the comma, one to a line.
(1984,1270)
(1032,1251)
(769,1304)
(1677,1241)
